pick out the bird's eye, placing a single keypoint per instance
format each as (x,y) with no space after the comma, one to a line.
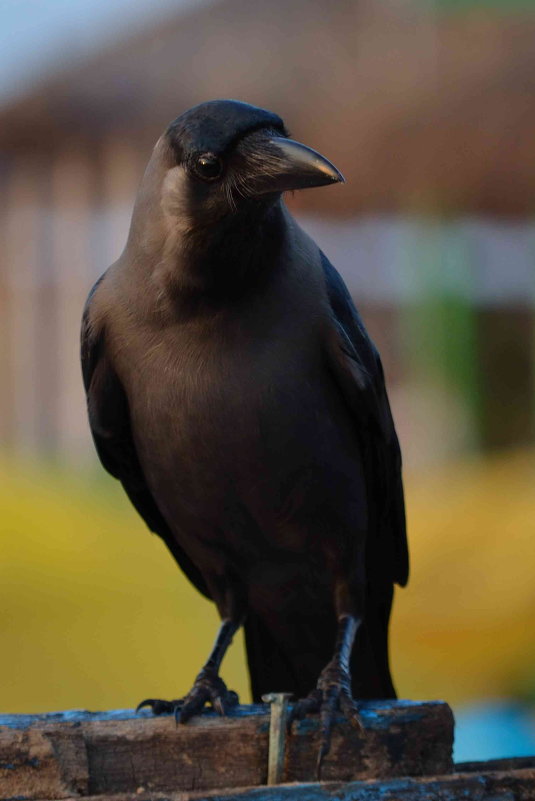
(208,167)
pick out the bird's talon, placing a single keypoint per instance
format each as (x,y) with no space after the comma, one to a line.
(208,688)
(159,707)
(188,711)
(146,702)
(220,706)
(233,699)
(319,764)
(304,707)
(330,696)
(350,709)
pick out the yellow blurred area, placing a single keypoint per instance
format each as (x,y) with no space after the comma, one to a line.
(463,628)
(95,613)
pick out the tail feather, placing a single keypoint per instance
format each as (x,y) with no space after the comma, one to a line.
(370,668)
(295,666)
(269,667)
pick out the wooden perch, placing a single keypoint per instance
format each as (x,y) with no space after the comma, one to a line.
(68,754)
(403,754)
(515,783)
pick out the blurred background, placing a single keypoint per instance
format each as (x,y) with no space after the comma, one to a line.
(428,108)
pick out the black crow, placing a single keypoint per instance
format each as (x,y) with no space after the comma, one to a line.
(233,390)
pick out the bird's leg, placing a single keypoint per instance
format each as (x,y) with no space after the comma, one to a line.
(208,686)
(333,690)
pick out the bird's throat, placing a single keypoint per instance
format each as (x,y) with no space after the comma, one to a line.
(228,259)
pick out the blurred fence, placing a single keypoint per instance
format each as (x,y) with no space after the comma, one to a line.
(428,109)
(64,220)
(450,304)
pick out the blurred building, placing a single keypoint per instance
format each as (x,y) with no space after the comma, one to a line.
(430,114)
(428,108)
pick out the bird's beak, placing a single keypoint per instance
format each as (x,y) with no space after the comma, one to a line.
(295,166)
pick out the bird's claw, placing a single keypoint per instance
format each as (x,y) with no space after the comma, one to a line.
(332,694)
(159,707)
(208,688)
(303,707)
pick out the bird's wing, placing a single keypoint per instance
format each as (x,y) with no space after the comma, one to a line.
(356,367)
(109,421)
(356,370)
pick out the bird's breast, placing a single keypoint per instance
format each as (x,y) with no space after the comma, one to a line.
(206,403)
(240,433)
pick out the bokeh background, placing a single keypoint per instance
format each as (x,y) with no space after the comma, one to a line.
(429,110)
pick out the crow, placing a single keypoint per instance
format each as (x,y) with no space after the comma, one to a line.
(233,390)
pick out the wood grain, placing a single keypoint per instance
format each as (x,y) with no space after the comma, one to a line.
(514,784)
(75,753)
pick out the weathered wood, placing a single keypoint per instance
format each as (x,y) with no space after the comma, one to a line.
(510,785)
(492,786)
(496,765)
(81,753)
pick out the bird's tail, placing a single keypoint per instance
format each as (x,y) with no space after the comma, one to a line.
(370,668)
(269,668)
(295,666)
(291,667)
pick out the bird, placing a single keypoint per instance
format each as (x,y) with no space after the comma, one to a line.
(234,392)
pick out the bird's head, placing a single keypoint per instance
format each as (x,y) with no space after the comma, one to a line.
(224,157)
(208,208)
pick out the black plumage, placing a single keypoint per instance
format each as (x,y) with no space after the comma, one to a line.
(234,392)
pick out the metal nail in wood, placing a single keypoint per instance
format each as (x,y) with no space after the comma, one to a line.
(277,734)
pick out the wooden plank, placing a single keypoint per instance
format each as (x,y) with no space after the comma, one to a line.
(511,785)
(70,753)
(496,765)
(492,786)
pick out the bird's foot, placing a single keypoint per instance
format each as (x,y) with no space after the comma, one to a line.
(208,688)
(332,694)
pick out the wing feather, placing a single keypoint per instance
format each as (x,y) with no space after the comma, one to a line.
(109,421)
(356,366)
